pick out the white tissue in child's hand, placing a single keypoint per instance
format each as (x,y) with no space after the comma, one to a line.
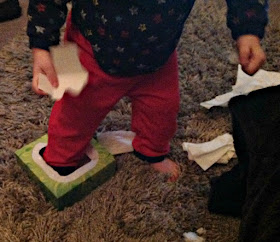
(72,77)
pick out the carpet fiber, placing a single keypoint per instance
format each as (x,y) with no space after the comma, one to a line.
(136,204)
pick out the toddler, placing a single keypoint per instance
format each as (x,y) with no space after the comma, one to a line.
(129,49)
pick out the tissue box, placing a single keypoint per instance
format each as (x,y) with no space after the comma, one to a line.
(64,191)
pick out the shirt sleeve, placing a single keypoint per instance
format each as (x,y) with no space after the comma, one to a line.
(247,17)
(45,18)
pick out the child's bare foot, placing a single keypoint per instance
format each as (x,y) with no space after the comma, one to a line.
(168,167)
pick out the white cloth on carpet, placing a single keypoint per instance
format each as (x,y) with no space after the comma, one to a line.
(244,85)
(192,237)
(220,150)
(117,142)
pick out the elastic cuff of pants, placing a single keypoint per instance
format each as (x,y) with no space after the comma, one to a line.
(150,159)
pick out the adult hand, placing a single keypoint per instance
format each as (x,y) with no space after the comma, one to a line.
(43,64)
(251,54)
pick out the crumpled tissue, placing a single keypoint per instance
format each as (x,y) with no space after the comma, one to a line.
(192,237)
(244,85)
(72,76)
(219,150)
(116,142)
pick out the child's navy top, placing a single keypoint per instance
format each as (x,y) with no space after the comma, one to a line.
(131,37)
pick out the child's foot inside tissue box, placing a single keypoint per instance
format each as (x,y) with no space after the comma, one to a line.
(167,167)
(64,191)
(66,170)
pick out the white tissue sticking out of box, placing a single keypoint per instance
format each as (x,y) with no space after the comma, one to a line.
(72,76)
(117,142)
(219,150)
(90,152)
(244,85)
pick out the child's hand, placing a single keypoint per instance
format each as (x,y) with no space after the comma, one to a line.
(251,54)
(43,64)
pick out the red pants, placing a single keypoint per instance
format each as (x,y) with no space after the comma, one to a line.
(155,104)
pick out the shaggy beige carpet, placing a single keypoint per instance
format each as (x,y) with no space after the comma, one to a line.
(136,204)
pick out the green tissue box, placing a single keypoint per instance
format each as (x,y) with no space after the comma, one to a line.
(64,191)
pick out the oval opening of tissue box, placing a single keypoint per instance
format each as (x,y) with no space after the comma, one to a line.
(61,190)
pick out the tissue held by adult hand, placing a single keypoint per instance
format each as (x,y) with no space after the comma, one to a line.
(244,85)
(72,77)
(219,150)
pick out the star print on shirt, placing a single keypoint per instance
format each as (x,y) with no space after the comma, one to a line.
(96,15)
(58,2)
(96,48)
(180,17)
(141,66)
(133,10)
(157,19)
(62,14)
(142,27)
(171,12)
(112,71)
(40,29)
(120,49)
(41,8)
(51,21)
(236,20)
(103,19)
(101,31)
(145,52)
(52,38)
(124,34)
(83,14)
(116,62)
(118,18)
(95,2)
(250,13)
(88,32)
(152,38)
